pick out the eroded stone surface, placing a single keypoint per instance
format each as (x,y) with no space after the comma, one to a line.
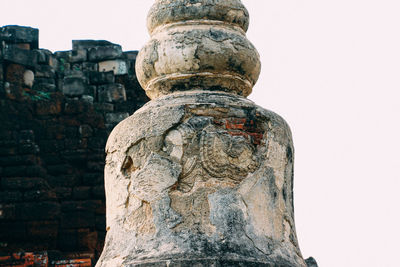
(196,175)
(200,176)
(198,45)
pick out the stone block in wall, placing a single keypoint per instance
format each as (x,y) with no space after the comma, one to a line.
(17,55)
(48,107)
(78,219)
(63,180)
(73,86)
(10,196)
(93,178)
(45,71)
(47,146)
(38,211)
(8,212)
(104,107)
(2,90)
(130,55)
(95,166)
(53,62)
(117,117)
(111,93)
(53,131)
(86,44)
(63,192)
(15,231)
(78,55)
(1,71)
(75,156)
(44,80)
(43,230)
(88,98)
(75,144)
(45,87)
(87,240)
(73,106)
(65,55)
(81,192)
(85,130)
(99,78)
(100,53)
(23,183)
(28,148)
(90,66)
(14,171)
(52,158)
(98,192)
(67,239)
(93,119)
(7,134)
(19,34)
(13,91)
(75,73)
(18,160)
(25,46)
(39,195)
(101,223)
(26,136)
(35,171)
(44,56)
(7,151)
(91,91)
(118,66)
(83,205)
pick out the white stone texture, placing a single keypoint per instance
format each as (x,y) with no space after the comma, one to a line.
(118,66)
(29,78)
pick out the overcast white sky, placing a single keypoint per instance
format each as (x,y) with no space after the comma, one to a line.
(332,70)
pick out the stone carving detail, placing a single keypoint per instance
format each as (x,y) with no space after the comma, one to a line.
(226,155)
(212,145)
(217,148)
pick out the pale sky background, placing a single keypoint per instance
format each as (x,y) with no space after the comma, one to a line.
(332,70)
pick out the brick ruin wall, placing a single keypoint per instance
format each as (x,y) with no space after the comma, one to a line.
(56,112)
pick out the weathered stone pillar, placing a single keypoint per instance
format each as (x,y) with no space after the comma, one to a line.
(200,176)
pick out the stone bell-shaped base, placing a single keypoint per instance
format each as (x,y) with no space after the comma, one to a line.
(200,176)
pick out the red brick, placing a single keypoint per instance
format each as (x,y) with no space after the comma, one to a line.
(15,73)
(72,263)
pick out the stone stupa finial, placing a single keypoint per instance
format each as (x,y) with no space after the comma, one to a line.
(200,175)
(198,44)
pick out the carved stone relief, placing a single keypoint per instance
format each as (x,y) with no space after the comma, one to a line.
(215,148)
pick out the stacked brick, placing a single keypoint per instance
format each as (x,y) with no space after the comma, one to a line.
(56,112)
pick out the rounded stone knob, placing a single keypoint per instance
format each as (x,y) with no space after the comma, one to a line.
(172,11)
(198,45)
